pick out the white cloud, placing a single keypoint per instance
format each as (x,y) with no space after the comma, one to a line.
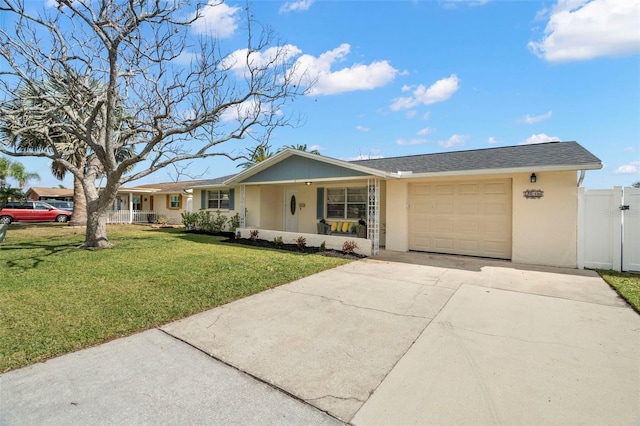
(348,79)
(439,91)
(629,149)
(626,169)
(362,128)
(404,142)
(539,138)
(217,19)
(583,29)
(425,131)
(532,119)
(296,6)
(315,148)
(454,140)
(491,140)
(237,60)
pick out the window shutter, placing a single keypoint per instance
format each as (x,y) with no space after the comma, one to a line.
(203,199)
(232,199)
(167,201)
(320,203)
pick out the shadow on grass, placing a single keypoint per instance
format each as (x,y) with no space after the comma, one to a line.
(32,261)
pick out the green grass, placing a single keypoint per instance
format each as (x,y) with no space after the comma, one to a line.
(626,284)
(56,299)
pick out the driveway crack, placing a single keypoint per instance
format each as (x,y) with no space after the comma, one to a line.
(540,342)
(355,306)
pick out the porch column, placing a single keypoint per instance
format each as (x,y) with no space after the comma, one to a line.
(131,207)
(243,205)
(373,213)
(189,195)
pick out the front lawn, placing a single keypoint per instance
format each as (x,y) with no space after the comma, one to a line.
(626,284)
(56,299)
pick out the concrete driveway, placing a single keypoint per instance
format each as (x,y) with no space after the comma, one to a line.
(395,339)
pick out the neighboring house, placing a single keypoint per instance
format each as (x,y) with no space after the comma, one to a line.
(43,194)
(515,202)
(145,203)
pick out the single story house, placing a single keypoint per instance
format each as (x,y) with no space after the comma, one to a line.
(43,194)
(145,203)
(514,202)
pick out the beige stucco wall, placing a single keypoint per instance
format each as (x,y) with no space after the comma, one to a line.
(545,229)
(397,215)
(195,207)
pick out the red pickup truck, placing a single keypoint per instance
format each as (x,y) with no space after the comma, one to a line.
(32,211)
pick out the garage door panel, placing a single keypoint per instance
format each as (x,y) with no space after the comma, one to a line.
(495,209)
(444,190)
(497,188)
(469,208)
(472,218)
(469,189)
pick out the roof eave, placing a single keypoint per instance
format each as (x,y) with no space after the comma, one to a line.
(528,169)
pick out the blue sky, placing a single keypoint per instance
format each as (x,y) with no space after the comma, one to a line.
(399,78)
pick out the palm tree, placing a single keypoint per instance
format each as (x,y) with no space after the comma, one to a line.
(68,147)
(256,155)
(300,147)
(15,170)
(20,174)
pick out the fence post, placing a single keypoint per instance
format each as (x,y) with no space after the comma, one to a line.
(581,228)
(616,228)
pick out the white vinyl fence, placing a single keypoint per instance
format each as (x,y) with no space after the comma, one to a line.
(131,216)
(609,228)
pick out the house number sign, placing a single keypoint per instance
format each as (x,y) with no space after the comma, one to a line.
(533,193)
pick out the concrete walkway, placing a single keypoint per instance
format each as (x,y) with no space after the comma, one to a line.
(396,339)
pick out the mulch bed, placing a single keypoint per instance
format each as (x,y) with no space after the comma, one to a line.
(293,247)
(230,238)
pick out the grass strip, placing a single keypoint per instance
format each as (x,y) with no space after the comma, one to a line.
(626,284)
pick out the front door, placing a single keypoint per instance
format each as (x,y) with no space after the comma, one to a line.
(291,210)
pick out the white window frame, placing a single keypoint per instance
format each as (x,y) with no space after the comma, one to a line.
(345,217)
(218,199)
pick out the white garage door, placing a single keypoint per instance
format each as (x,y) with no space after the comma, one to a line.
(472,218)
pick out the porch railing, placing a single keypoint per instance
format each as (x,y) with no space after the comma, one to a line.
(134,216)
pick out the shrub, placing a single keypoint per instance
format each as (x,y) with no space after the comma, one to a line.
(189,220)
(278,241)
(253,234)
(349,246)
(234,222)
(203,221)
(323,246)
(162,219)
(301,242)
(218,224)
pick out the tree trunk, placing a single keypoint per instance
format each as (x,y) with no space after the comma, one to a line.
(79,217)
(98,205)
(96,235)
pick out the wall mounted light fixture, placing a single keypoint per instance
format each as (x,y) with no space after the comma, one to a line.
(307,183)
(533,178)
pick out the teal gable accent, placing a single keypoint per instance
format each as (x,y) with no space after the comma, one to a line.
(302,169)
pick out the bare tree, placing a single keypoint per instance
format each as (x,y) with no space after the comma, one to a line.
(151,101)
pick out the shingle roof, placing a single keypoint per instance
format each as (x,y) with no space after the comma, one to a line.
(210,182)
(52,192)
(508,157)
